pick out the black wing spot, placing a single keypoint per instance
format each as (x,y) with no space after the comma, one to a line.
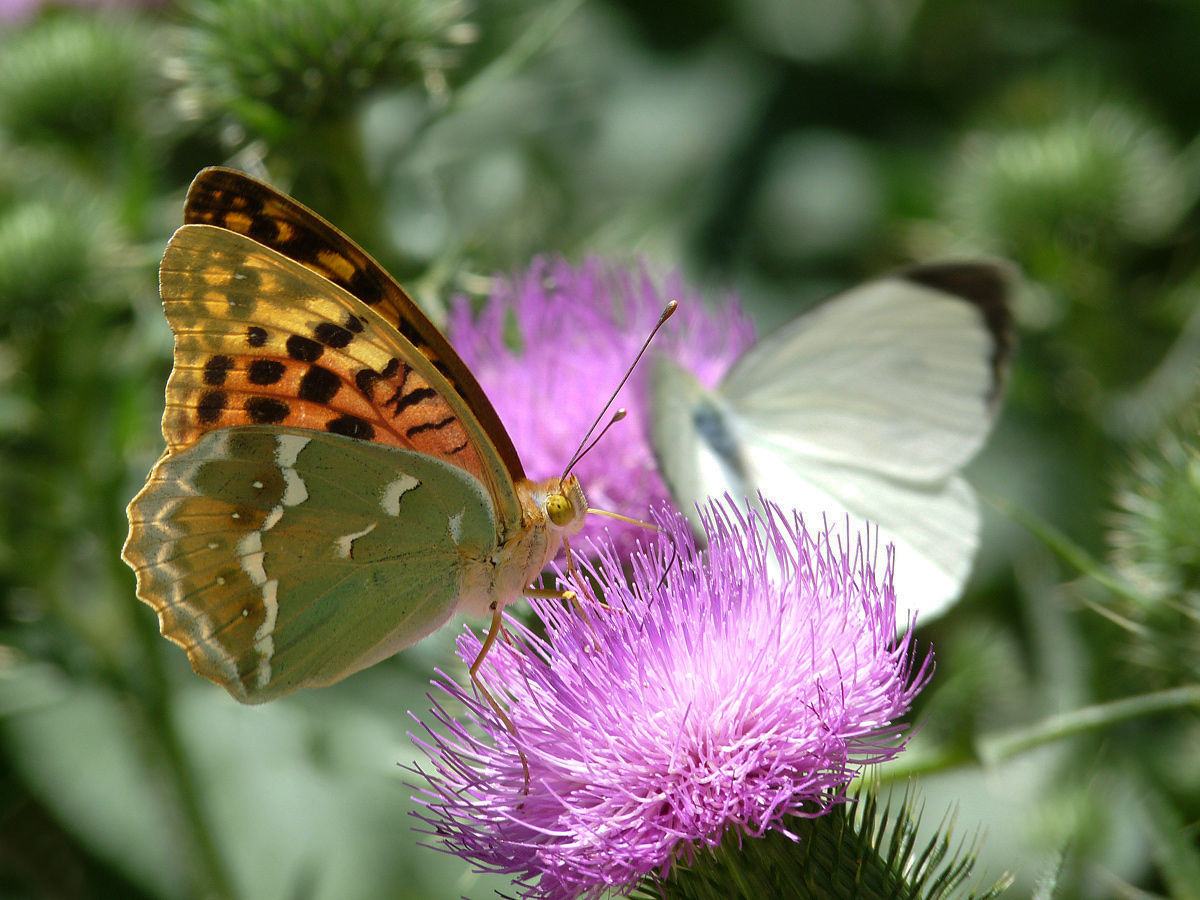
(304,349)
(266,371)
(263,229)
(365,287)
(411,334)
(366,379)
(412,398)
(267,410)
(332,335)
(429,426)
(210,406)
(305,247)
(355,323)
(256,336)
(216,369)
(351,426)
(319,385)
(987,286)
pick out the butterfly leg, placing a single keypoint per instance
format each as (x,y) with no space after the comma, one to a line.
(570,596)
(497,625)
(577,576)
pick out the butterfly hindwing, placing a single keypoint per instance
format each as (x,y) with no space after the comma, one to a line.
(281,558)
(934,527)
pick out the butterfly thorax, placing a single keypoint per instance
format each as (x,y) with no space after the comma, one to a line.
(550,510)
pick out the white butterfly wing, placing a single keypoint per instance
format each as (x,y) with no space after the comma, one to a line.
(866,407)
(934,527)
(898,376)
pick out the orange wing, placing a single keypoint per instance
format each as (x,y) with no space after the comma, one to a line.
(262,340)
(236,202)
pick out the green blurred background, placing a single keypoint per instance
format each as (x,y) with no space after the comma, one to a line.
(781,149)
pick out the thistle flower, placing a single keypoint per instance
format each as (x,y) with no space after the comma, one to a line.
(706,699)
(1154,548)
(576,330)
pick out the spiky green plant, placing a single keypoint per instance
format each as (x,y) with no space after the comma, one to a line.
(274,64)
(1155,547)
(76,82)
(857,851)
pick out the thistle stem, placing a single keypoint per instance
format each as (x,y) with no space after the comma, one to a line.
(994,748)
(159,716)
(1065,549)
(991,749)
(516,57)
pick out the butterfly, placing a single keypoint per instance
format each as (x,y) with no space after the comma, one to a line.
(335,484)
(866,407)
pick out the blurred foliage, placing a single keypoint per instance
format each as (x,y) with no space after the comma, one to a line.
(781,148)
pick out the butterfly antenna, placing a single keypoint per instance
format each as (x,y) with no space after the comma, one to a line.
(668,311)
(619,517)
(580,454)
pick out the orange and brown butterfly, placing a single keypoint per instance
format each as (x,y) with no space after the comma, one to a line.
(336,484)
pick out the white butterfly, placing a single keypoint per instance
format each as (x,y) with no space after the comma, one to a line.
(867,406)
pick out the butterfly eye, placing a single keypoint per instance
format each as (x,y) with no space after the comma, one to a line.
(560,510)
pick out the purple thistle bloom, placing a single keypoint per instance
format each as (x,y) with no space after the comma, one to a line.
(719,694)
(578,329)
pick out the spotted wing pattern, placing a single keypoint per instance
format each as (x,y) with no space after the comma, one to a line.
(234,201)
(263,340)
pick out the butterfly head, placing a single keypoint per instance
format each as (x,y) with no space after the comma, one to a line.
(564,505)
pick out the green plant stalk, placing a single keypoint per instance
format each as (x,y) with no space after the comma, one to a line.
(327,160)
(991,749)
(507,64)
(158,713)
(517,56)
(1065,549)
(152,697)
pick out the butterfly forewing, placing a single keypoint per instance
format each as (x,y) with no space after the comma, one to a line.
(262,340)
(254,539)
(234,201)
(893,376)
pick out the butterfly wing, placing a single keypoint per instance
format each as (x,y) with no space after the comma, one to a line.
(232,200)
(255,540)
(900,376)
(933,526)
(261,340)
(867,406)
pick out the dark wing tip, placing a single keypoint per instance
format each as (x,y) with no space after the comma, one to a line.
(988,285)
